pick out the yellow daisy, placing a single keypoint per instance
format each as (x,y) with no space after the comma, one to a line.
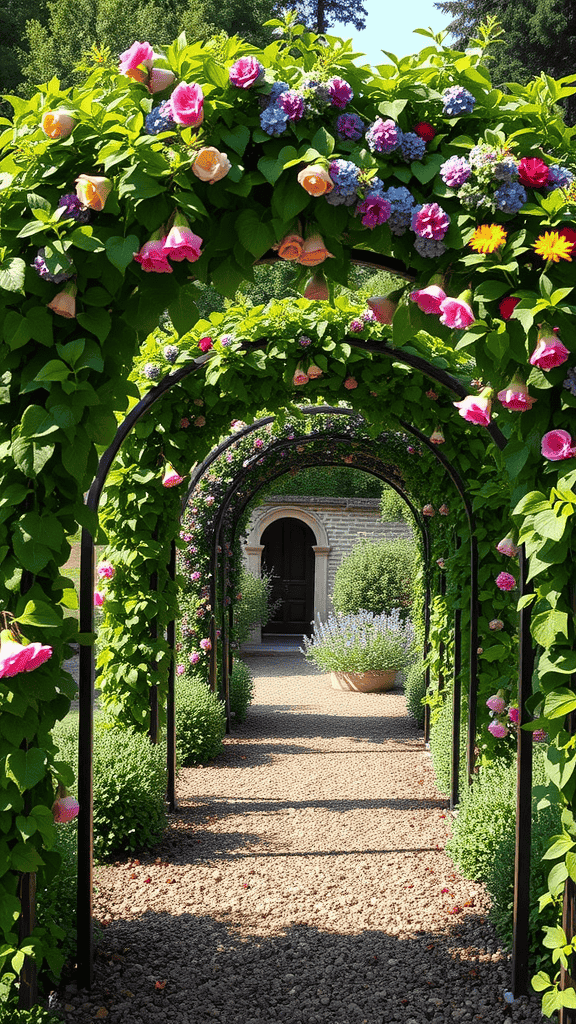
(553,246)
(487,238)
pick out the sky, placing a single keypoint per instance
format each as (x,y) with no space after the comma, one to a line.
(390,26)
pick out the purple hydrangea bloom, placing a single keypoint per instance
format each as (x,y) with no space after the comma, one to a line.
(375,210)
(559,177)
(430,221)
(41,268)
(356,326)
(350,126)
(412,147)
(368,316)
(402,203)
(74,208)
(170,353)
(292,104)
(429,248)
(152,371)
(482,154)
(273,120)
(383,136)
(159,119)
(455,171)
(457,100)
(510,198)
(340,93)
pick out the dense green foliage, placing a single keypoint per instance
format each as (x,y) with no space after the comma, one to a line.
(415,691)
(441,747)
(376,576)
(335,482)
(56,899)
(241,690)
(393,508)
(254,608)
(200,723)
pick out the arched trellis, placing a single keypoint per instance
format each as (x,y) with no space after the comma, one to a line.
(434,373)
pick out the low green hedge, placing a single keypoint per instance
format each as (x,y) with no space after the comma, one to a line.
(200,723)
(441,746)
(241,690)
(415,691)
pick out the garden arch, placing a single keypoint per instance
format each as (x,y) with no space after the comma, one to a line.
(67,367)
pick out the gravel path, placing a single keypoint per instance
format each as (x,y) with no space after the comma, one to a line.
(301,879)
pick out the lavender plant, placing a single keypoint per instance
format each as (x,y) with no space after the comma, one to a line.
(361,643)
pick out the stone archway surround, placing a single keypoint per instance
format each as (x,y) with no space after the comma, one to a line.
(253,550)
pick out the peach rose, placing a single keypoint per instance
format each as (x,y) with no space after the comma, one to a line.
(290,248)
(314,371)
(57,124)
(93,190)
(313,252)
(315,180)
(210,165)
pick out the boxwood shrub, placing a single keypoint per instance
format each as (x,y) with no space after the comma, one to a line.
(200,723)
(376,577)
(441,745)
(415,691)
(241,690)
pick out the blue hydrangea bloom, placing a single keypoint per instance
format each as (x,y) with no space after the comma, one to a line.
(506,169)
(412,147)
(277,89)
(559,176)
(457,100)
(402,203)
(429,247)
(344,174)
(273,120)
(159,120)
(510,197)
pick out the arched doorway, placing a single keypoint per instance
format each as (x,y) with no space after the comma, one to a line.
(288,556)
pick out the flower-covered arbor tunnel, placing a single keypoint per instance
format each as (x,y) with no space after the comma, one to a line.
(194,165)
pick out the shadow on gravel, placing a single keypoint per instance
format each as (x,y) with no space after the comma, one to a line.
(194,970)
(282,720)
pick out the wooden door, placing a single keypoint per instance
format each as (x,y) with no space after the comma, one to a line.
(289,557)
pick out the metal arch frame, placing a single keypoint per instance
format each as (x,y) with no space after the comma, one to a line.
(86,685)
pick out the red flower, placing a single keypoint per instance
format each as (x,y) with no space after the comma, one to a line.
(205,344)
(425,130)
(568,233)
(532,172)
(507,306)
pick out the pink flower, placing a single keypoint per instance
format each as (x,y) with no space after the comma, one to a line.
(532,172)
(375,210)
(457,313)
(196,576)
(180,670)
(350,383)
(16,657)
(430,221)
(206,644)
(160,79)
(317,289)
(340,93)
(549,351)
(194,658)
(152,257)
(476,408)
(99,598)
(139,53)
(425,130)
(496,624)
(245,72)
(515,397)
(539,736)
(292,104)
(429,510)
(300,377)
(514,715)
(507,306)
(383,308)
(506,546)
(498,730)
(65,808)
(170,477)
(557,445)
(505,581)
(64,303)
(437,437)
(181,243)
(105,570)
(187,105)
(496,704)
(205,344)
(429,299)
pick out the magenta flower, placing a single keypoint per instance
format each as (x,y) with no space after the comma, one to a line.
(65,808)
(549,351)
(514,715)
(187,105)
(206,644)
(383,136)
(506,546)
(375,210)
(152,256)
(456,313)
(181,243)
(340,93)
(429,299)
(430,221)
(356,326)
(194,658)
(196,576)
(245,72)
(539,736)
(180,670)
(16,657)
(382,308)
(99,598)
(496,704)
(498,730)
(505,581)
(170,477)
(139,53)
(292,104)
(515,397)
(105,570)
(476,408)
(557,445)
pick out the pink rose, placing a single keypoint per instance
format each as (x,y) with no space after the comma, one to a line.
(180,670)
(245,72)
(456,313)
(505,581)
(105,570)
(65,808)
(498,730)
(557,445)
(532,172)
(206,644)
(549,351)
(429,299)
(16,657)
(99,597)
(152,257)
(476,409)
(194,658)
(514,715)
(506,546)
(496,704)
(187,105)
(139,53)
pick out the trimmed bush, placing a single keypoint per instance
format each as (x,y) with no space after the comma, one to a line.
(241,690)
(376,577)
(441,746)
(200,723)
(129,786)
(255,607)
(415,691)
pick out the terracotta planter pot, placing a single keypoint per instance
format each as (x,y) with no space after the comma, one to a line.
(364,682)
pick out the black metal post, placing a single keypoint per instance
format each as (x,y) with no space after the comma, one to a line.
(566,1014)
(28,977)
(456,711)
(441,645)
(521,936)
(85,933)
(171,699)
(153,692)
(225,638)
(473,662)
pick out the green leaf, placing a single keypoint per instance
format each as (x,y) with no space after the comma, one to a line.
(97,321)
(288,199)
(495,653)
(12,272)
(557,877)
(30,456)
(392,108)
(554,937)
(54,369)
(82,238)
(255,234)
(532,502)
(40,614)
(190,203)
(547,626)
(16,330)
(25,857)
(559,702)
(323,142)
(562,845)
(183,311)
(237,138)
(26,768)
(540,982)
(138,185)
(120,251)
(37,422)
(27,827)
(428,170)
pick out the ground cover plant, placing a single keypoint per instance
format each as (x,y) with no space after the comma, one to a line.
(212,154)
